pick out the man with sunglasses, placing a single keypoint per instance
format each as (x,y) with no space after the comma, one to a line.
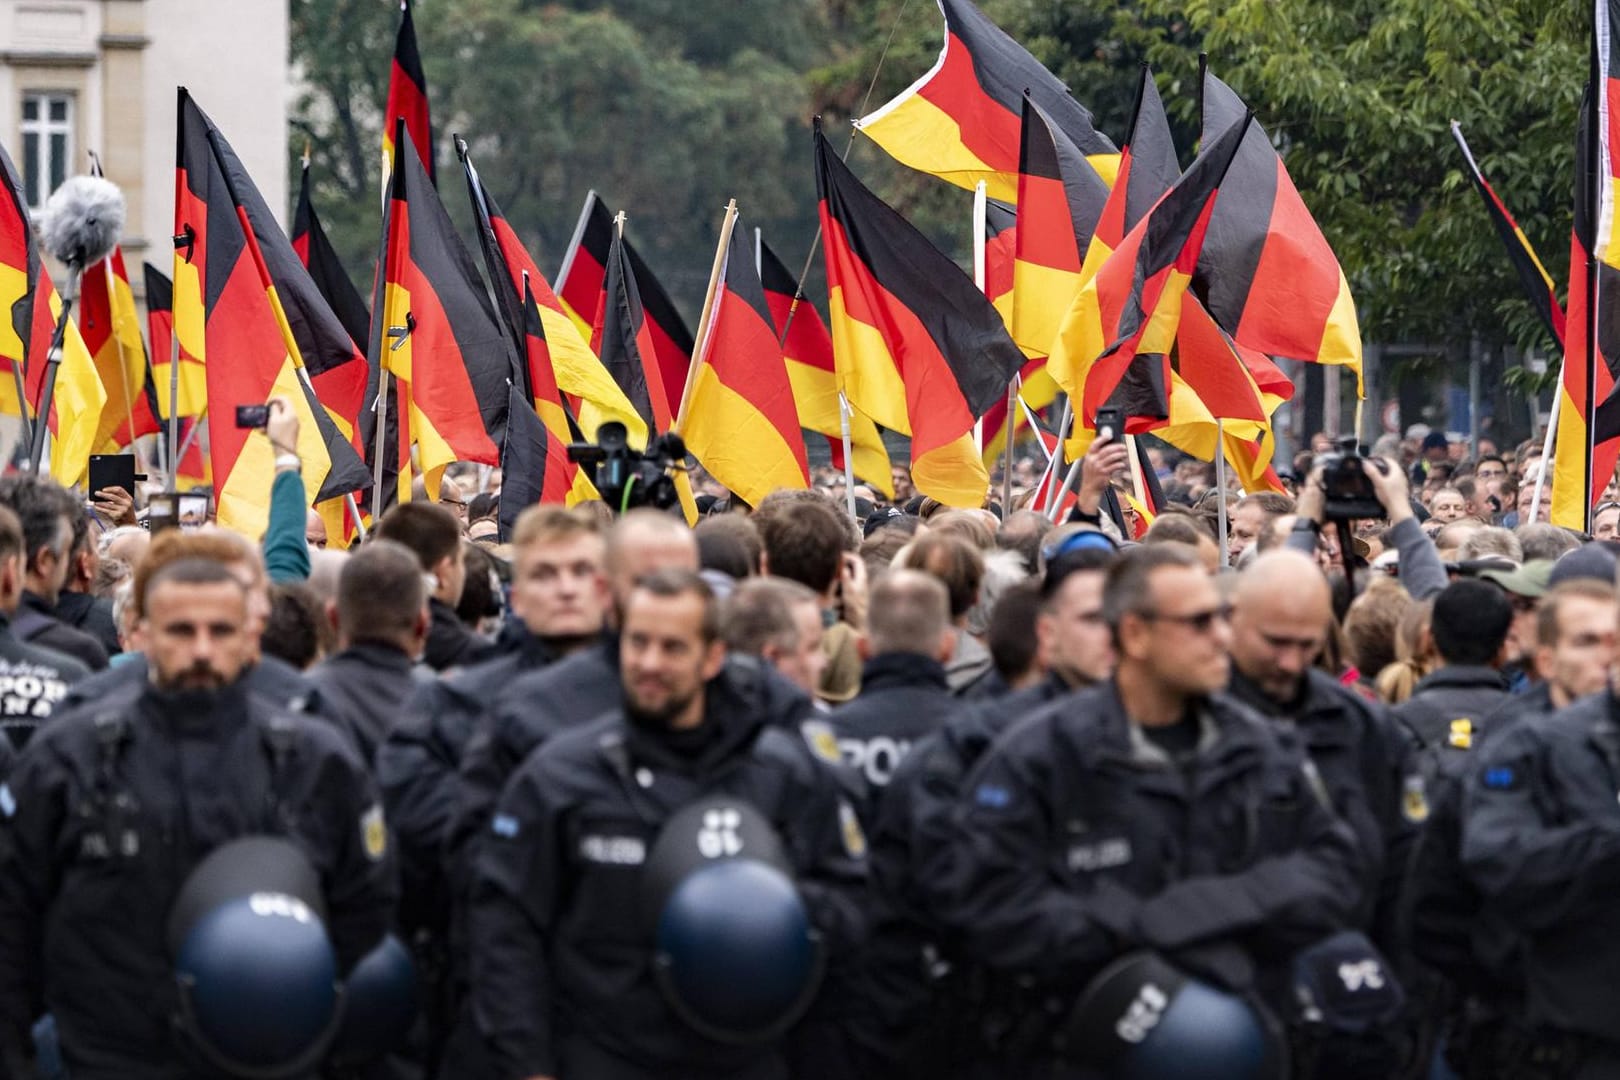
(1151,811)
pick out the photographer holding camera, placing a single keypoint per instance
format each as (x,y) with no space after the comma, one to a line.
(1335,491)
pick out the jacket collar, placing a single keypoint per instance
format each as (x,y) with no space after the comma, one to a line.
(902,669)
(1463,675)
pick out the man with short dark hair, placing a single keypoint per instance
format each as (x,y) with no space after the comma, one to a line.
(960,568)
(1470,628)
(563,986)
(778,621)
(433,534)
(1249,518)
(47,512)
(111,807)
(1110,822)
(33,681)
(1014,648)
(807,541)
(381,620)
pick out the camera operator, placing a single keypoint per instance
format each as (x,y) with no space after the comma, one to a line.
(1421,572)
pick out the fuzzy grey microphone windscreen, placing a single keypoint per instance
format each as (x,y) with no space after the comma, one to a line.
(82,220)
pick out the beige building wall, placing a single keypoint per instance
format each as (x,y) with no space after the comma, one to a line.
(121,61)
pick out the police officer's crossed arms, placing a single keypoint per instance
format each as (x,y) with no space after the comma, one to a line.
(580,957)
(112,806)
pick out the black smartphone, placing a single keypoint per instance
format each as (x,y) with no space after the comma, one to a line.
(177,510)
(1110,423)
(112,471)
(252,416)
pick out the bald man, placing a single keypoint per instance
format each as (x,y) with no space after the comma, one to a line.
(1281,612)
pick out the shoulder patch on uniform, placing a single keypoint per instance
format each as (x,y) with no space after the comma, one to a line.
(1461,735)
(504,826)
(374,832)
(993,796)
(850,826)
(8,801)
(823,743)
(1414,800)
(1500,778)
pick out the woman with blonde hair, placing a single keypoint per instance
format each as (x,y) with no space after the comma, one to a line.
(1415,654)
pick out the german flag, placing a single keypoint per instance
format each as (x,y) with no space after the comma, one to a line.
(1060,201)
(807,350)
(160,332)
(407,97)
(438,335)
(960,121)
(1537,283)
(574,395)
(920,348)
(583,279)
(230,271)
(534,462)
(111,328)
(1587,445)
(622,337)
(1000,253)
(27,292)
(741,422)
(1267,273)
(320,258)
(1136,296)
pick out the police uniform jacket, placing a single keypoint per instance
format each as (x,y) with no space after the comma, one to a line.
(1541,841)
(904,698)
(562,956)
(109,811)
(1078,840)
(1369,767)
(450,644)
(35,622)
(33,684)
(370,682)
(1454,692)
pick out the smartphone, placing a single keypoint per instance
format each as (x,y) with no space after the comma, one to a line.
(177,510)
(252,416)
(112,471)
(1110,423)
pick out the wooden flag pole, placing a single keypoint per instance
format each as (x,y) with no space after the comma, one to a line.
(1547,447)
(706,319)
(979,190)
(1220,486)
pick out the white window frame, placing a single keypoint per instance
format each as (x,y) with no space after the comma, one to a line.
(38,188)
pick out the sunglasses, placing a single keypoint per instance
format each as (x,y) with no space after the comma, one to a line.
(1199,622)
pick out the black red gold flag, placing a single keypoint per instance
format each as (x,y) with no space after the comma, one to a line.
(407,97)
(534,462)
(960,121)
(622,336)
(921,349)
(320,258)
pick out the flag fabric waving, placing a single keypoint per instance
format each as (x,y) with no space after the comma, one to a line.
(229,312)
(438,334)
(320,258)
(807,351)
(584,263)
(534,464)
(921,349)
(960,121)
(160,333)
(407,98)
(741,423)
(622,336)
(1267,273)
(111,328)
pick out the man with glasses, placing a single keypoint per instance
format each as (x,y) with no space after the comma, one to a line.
(1148,812)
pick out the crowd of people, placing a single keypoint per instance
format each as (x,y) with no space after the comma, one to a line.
(1040,792)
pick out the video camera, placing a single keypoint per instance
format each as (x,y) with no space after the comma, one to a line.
(1347,490)
(628,478)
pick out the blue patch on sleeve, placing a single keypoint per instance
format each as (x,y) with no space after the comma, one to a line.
(505,825)
(8,802)
(993,796)
(1500,778)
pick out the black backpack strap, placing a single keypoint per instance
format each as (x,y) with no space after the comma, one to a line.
(280,737)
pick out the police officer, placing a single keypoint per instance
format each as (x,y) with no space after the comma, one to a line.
(1541,842)
(434,534)
(563,969)
(904,696)
(1470,625)
(111,807)
(1281,611)
(33,680)
(1150,811)
(922,1002)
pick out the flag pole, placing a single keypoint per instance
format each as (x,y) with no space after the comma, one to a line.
(381,407)
(978,283)
(1064,422)
(1547,445)
(1138,484)
(1594,190)
(706,319)
(1220,485)
(849,454)
(53,363)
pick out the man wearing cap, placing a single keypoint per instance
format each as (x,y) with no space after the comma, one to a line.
(1525,586)
(111,807)
(563,981)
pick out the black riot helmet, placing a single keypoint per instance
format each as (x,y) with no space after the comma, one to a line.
(258,980)
(737,958)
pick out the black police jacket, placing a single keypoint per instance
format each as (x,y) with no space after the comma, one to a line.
(112,807)
(33,684)
(1372,775)
(1541,842)
(369,682)
(1078,841)
(36,623)
(450,644)
(1452,693)
(562,958)
(904,698)
(93,615)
